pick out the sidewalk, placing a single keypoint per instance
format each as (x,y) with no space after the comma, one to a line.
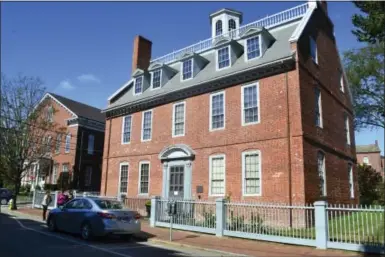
(225,244)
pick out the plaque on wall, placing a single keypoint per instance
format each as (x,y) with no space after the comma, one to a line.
(199,189)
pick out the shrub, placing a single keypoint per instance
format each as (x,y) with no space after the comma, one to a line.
(148,203)
(370,185)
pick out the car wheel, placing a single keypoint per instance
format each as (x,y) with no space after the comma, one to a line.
(4,201)
(51,223)
(86,231)
(126,237)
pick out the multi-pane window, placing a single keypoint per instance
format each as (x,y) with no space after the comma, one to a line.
(50,114)
(88,175)
(55,170)
(217,175)
(313,50)
(342,82)
(127,120)
(48,144)
(321,173)
(347,128)
(138,85)
(178,119)
(65,168)
(146,125)
(351,181)
(232,25)
(253,48)
(58,143)
(218,28)
(67,144)
(155,78)
(318,107)
(187,69)
(217,116)
(144,178)
(250,104)
(123,179)
(251,170)
(224,57)
(365,160)
(91,141)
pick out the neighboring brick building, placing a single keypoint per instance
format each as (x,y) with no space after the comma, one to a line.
(370,155)
(76,149)
(259,112)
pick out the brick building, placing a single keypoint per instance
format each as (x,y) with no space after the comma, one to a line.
(75,149)
(370,155)
(257,112)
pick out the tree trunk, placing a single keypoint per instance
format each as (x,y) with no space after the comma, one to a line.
(16,192)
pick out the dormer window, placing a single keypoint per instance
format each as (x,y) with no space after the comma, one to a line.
(253,47)
(232,25)
(138,85)
(187,69)
(156,79)
(218,28)
(223,57)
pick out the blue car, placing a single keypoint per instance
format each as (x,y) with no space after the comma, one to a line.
(93,217)
(5,196)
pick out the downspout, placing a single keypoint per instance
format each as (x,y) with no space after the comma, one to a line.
(289,145)
(80,159)
(107,158)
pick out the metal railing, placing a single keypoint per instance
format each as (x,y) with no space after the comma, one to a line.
(273,220)
(267,22)
(361,225)
(136,204)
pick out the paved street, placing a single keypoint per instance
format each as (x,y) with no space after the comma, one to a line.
(27,238)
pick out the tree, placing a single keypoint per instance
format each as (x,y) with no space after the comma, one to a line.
(365,71)
(370,185)
(25,126)
(370,27)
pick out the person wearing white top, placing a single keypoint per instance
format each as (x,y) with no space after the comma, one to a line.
(46,201)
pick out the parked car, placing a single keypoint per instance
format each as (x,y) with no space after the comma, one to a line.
(5,196)
(93,217)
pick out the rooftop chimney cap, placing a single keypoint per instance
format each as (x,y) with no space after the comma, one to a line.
(227,11)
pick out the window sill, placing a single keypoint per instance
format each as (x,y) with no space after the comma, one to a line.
(248,195)
(216,129)
(250,123)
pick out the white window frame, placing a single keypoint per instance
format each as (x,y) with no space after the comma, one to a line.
(217,55)
(244,172)
(243,104)
(228,24)
(312,40)
(67,143)
(123,123)
(351,180)
(120,177)
(88,182)
(65,165)
(260,49)
(141,91)
(319,103)
(140,177)
(365,158)
(142,128)
(221,28)
(224,111)
(342,84)
(323,172)
(347,128)
(58,143)
(49,144)
(192,69)
(184,119)
(50,114)
(211,170)
(152,79)
(90,147)
(54,173)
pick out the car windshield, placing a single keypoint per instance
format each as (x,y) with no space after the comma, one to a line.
(108,204)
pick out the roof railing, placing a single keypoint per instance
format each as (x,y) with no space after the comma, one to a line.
(267,22)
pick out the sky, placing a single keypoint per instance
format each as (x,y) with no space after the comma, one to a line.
(83,50)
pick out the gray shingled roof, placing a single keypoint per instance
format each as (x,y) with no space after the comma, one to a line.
(81,110)
(367,148)
(280,49)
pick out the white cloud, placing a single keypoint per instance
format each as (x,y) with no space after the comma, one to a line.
(88,78)
(66,84)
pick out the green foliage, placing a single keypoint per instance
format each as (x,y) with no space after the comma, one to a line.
(370,27)
(210,219)
(365,72)
(148,203)
(370,183)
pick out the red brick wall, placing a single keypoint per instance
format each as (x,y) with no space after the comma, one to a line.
(374,160)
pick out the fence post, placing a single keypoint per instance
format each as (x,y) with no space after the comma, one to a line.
(220,212)
(321,224)
(33,199)
(153,210)
(55,203)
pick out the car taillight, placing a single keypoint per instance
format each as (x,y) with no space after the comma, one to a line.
(137,216)
(106,215)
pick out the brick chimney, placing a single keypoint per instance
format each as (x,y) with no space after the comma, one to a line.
(141,54)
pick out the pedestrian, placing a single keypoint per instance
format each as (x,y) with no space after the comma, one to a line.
(46,201)
(61,199)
